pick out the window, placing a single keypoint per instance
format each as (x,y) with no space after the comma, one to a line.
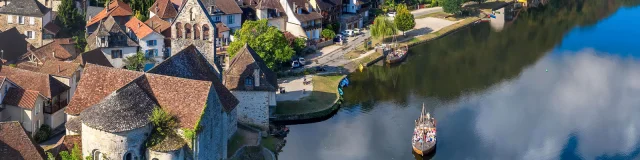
(230,19)
(128,156)
(116,54)
(30,34)
(187,31)
(21,19)
(151,43)
(32,20)
(205,32)
(10,19)
(196,31)
(179,30)
(248,81)
(151,53)
(97,155)
(216,19)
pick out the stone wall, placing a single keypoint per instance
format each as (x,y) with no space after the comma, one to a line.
(178,154)
(36,41)
(114,145)
(232,122)
(253,108)
(211,141)
(192,14)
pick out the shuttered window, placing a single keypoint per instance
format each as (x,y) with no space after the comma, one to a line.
(32,20)
(10,19)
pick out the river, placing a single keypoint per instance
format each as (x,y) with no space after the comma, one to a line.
(559,82)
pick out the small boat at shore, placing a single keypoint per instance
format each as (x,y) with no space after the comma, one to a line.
(397,55)
(424,134)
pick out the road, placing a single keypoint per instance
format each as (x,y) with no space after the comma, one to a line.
(425,11)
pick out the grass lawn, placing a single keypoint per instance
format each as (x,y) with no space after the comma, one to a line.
(325,93)
(234,144)
(368,58)
(434,15)
(270,143)
(443,30)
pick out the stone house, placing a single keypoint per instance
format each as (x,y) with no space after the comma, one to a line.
(151,42)
(193,26)
(303,19)
(65,72)
(224,13)
(59,50)
(16,144)
(329,9)
(118,10)
(111,108)
(163,27)
(36,98)
(94,56)
(51,4)
(30,18)
(12,46)
(164,10)
(255,86)
(273,11)
(354,13)
(114,43)
(191,64)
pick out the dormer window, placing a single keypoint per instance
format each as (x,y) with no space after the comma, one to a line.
(299,10)
(212,10)
(248,81)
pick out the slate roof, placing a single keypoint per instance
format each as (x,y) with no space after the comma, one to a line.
(225,6)
(31,8)
(64,49)
(115,8)
(140,29)
(242,66)
(163,9)
(191,64)
(158,25)
(13,44)
(74,124)
(59,68)
(29,80)
(117,36)
(183,98)
(306,14)
(52,28)
(22,98)
(16,144)
(125,109)
(92,11)
(94,56)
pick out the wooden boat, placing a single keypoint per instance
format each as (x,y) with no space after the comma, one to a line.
(424,134)
(397,55)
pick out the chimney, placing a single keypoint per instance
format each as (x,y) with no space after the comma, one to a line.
(256,77)
(58,68)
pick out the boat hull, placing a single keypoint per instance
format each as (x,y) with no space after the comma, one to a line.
(423,152)
(396,59)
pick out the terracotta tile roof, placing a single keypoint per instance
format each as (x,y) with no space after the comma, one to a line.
(59,68)
(29,80)
(306,15)
(52,28)
(125,109)
(25,7)
(158,24)
(164,9)
(22,98)
(95,84)
(177,3)
(243,65)
(140,29)
(181,97)
(16,144)
(225,6)
(116,8)
(28,66)
(94,56)
(270,4)
(14,45)
(191,64)
(117,36)
(221,28)
(60,49)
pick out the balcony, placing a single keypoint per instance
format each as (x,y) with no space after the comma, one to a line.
(312,27)
(53,108)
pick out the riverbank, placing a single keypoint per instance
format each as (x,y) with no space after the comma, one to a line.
(321,102)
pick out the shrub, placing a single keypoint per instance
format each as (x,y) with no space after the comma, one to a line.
(43,133)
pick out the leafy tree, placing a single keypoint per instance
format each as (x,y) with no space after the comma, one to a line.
(452,6)
(137,61)
(141,17)
(80,39)
(299,44)
(434,3)
(267,41)
(335,27)
(163,124)
(50,156)
(404,20)
(328,34)
(382,27)
(68,17)
(76,154)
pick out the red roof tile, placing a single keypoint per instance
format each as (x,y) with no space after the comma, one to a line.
(140,29)
(22,98)
(61,49)
(116,8)
(15,143)
(29,80)
(158,24)
(163,9)
(59,68)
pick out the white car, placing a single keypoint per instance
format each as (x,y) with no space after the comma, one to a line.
(295,64)
(301,60)
(391,14)
(347,33)
(357,31)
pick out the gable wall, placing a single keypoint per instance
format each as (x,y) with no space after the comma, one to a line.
(206,47)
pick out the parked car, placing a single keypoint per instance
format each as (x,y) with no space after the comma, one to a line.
(357,31)
(295,64)
(347,33)
(302,62)
(338,38)
(391,14)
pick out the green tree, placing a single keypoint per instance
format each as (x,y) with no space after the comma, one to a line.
(163,123)
(382,27)
(68,17)
(328,34)
(404,19)
(137,61)
(299,44)
(76,154)
(141,17)
(452,6)
(266,40)
(80,39)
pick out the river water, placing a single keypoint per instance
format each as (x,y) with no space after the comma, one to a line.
(557,82)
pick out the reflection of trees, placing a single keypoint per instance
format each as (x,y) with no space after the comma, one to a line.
(477,57)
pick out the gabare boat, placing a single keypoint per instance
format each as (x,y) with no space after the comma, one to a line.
(424,134)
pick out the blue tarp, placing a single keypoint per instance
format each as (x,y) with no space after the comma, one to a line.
(340,91)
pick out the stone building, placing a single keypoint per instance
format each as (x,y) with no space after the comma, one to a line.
(329,9)
(163,27)
(118,10)
(113,41)
(303,19)
(128,97)
(255,86)
(151,42)
(225,14)
(164,10)
(273,11)
(30,18)
(16,144)
(192,26)
(58,50)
